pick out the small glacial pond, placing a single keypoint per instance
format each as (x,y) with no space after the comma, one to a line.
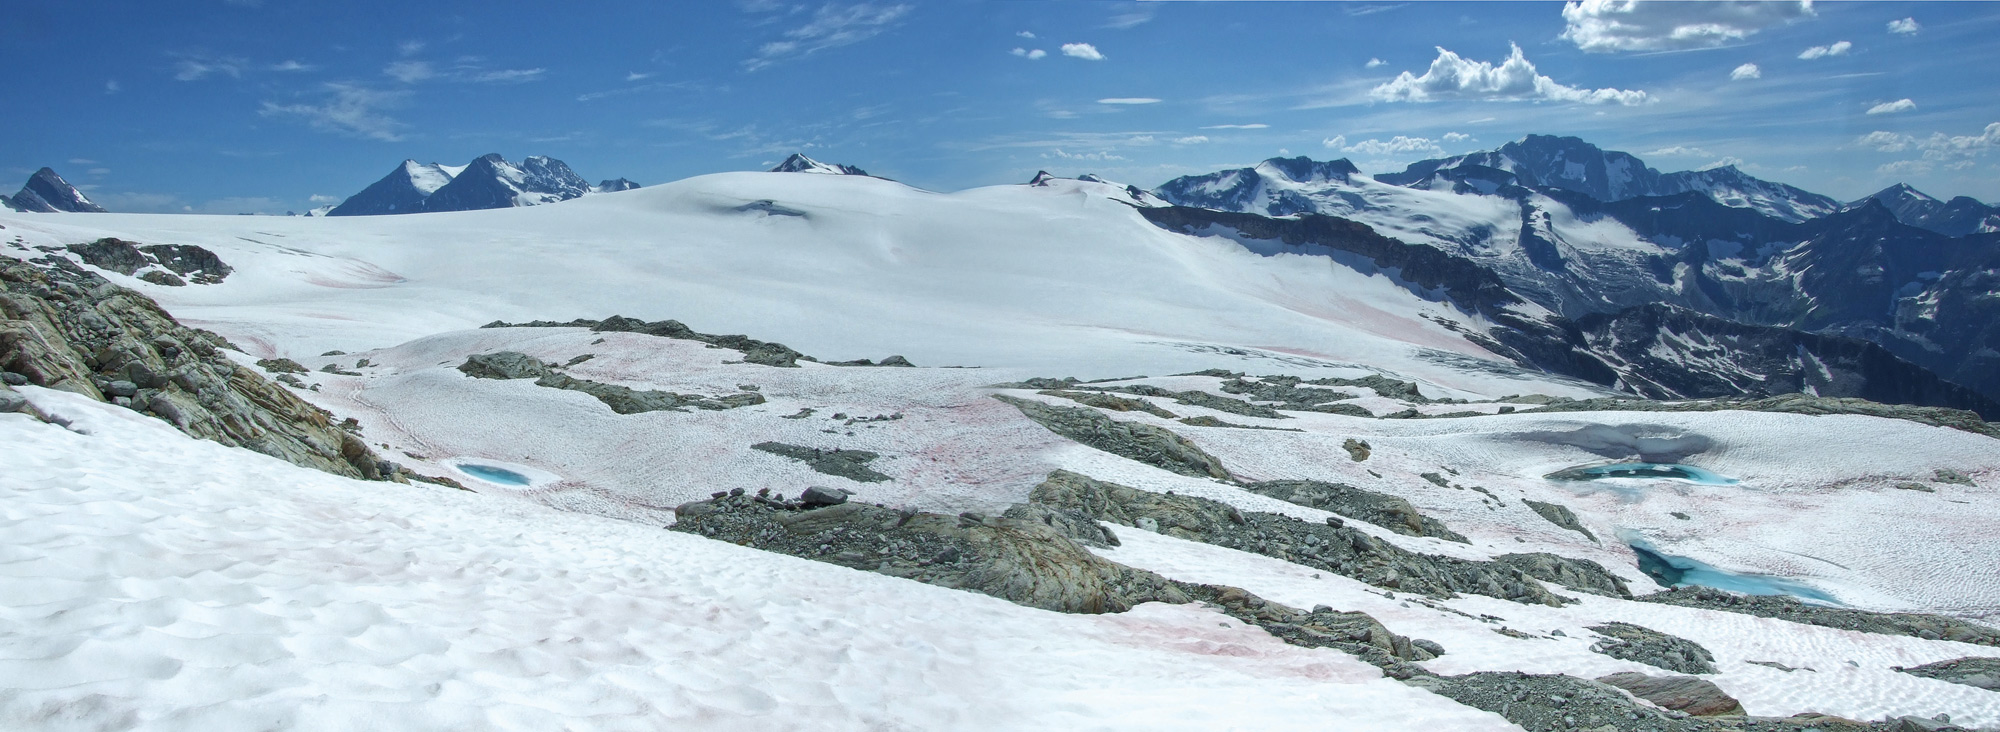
(493,474)
(1660,471)
(1672,571)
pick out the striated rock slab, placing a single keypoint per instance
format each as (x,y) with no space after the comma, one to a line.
(1929,627)
(1381,509)
(1630,642)
(1144,443)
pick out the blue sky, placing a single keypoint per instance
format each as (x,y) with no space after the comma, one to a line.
(269,105)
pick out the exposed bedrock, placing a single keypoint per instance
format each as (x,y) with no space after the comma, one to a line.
(1978,672)
(1144,443)
(1929,627)
(1381,509)
(1560,515)
(621,399)
(754,351)
(1641,644)
(1339,549)
(63,327)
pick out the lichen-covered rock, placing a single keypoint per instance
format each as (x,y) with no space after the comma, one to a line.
(849,464)
(1582,575)
(1102,400)
(64,327)
(1630,642)
(1145,443)
(1696,696)
(1929,627)
(1381,509)
(1982,672)
(503,365)
(1560,515)
(627,400)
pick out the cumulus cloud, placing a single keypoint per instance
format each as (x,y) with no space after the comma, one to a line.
(1191,140)
(349,110)
(832,26)
(1677,151)
(1906,26)
(1838,49)
(1515,79)
(1726,162)
(1399,145)
(1030,55)
(1746,71)
(1607,26)
(1886,141)
(1129,100)
(1905,167)
(1251,126)
(1083,51)
(1374,62)
(1456,137)
(1900,105)
(1025,34)
(1939,146)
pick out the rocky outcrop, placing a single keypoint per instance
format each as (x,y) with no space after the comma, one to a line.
(1561,516)
(46,192)
(1789,404)
(1929,627)
(1696,696)
(1332,547)
(754,351)
(1980,672)
(1198,399)
(1144,443)
(1629,642)
(849,464)
(1106,401)
(1381,509)
(128,258)
(66,328)
(1581,575)
(621,399)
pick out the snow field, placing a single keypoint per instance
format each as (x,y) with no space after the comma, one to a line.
(155,581)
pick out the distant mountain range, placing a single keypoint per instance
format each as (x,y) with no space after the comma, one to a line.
(47,192)
(489,181)
(1699,283)
(798,163)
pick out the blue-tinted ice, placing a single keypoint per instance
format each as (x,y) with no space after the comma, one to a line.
(1672,571)
(1667,471)
(492,474)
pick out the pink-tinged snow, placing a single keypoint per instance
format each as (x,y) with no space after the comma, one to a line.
(153,581)
(1850,672)
(1034,277)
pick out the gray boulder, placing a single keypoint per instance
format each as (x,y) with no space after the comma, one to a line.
(1981,672)
(1651,647)
(504,365)
(1699,697)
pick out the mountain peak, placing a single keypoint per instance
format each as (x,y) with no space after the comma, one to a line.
(47,192)
(1305,170)
(799,163)
(488,181)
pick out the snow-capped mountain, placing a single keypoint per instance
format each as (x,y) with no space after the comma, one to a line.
(613,185)
(1960,216)
(1571,164)
(1092,185)
(487,182)
(799,163)
(47,192)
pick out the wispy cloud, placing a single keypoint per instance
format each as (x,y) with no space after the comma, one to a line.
(350,110)
(505,76)
(1607,26)
(1900,105)
(1906,27)
(1251,126)
(410,72)
(1746,71)
(194,67)
(1837,49)
(292,65)
(636,76)
(832,26)
(1129,100)
(410,48)
(1361,9)
(1034,55)
(1131,16)
(1677,151)
(1083,51)
(1191,140)
(1451,76)
(413,71)
(111,86)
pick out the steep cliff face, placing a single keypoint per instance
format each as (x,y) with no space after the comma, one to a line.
(63,327)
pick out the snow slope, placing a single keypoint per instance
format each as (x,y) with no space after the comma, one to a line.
(159,582)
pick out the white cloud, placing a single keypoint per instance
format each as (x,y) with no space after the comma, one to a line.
(1906,26)
(112,87)
(1605,26)
(1025,34)
(1728,161)
(321,198)
(1191,140)
(410,48)
(1886,141)
(1030,55)
(1083,51)
(1481,120)
(832,26)
(1905,167)
(636,76)
(410,72)
(1136,15)
(82,161)
(1900,105)
(1396,146)
(1677,151)
(1129,100)
(1456,137)
(1746,71)
(351,110)
(192,68)
(292,65)
(1251,126)
(505,76)
(1096,156)
(1838,49)
(1454,77)
(1335,142)
(1374,62)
